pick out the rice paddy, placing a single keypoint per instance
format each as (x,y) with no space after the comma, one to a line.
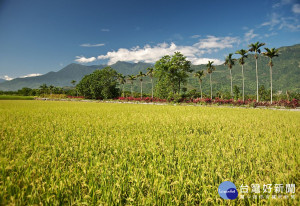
(81,153)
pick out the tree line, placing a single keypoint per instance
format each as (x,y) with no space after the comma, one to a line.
(171,73)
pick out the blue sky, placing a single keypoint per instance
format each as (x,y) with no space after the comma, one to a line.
(38,36)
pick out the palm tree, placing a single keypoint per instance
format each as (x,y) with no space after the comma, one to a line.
(131,78)
(230,62)
(271,53)
(150,73)
(122,80)
(256,49)
(244,55)
(43,88)
(73,82)
(210,69)
(199,75)
(51,87)
(140,76)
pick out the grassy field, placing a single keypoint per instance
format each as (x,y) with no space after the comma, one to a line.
(101,153)
(14,97)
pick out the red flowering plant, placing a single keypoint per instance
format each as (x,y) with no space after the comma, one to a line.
(75,97)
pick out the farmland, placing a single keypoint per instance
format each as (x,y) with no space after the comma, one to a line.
(105,153)
(14,97)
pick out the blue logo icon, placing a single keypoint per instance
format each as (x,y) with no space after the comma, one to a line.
(227,190)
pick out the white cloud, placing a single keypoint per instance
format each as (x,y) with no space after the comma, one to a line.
(296,8)
(274,20)
(279,22)
(205,61)
(250,35)
(281,3)
(195,36)
(91,45)
(150,54)
(105,30)
(31,75)
(193,53)
(271,34)
(6,77)
(212,42)
(82,59)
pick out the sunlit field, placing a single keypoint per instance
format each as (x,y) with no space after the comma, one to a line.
(104,153)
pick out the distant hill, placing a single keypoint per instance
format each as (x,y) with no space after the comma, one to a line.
(71,72)
(286,74)
(2,80)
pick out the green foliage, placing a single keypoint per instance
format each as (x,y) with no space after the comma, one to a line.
(243,54)
(79,153)
(163,89)
(172,72)
(271,53)
(101,84)
(255,47)
(264,94)
(236,92)
(229,61)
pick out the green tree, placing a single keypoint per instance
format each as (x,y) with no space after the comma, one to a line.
(244,55)
(150,73)
(51,88)
(73,82)
(131,78)
(101,84)
(200,75)
(141,75)
(229,61)
(210,69)
(25,91)
(263,93)
(43,88)
(122,81)
(271,53)
(256,49)
(171,72)
(236,91)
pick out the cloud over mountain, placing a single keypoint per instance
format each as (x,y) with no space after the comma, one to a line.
(151,54)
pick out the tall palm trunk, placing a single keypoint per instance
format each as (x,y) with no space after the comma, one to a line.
(256,80)
(231,83)
(123,91)
(243,82)
(210,86)
(200,87)
(271,83)
(141,89)
(152,86)
(131,90)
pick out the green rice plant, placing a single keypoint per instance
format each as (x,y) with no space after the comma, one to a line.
(57,153)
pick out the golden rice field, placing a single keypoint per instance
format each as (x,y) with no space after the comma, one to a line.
(79,153)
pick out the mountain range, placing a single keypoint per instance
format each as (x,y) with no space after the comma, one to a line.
(2,80)
(286,74)
(63,77)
